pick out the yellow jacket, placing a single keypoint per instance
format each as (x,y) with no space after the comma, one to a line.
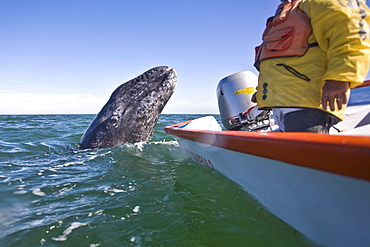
(341,29)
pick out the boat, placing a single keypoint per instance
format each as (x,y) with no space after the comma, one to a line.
(317,183)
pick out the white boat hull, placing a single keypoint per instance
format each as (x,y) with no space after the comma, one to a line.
(329,209)
(319,184)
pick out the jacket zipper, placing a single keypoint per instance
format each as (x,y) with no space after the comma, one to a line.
(294,72)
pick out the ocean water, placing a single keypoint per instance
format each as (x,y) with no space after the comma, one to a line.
(142,194)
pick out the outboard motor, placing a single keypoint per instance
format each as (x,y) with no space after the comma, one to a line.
(238,112)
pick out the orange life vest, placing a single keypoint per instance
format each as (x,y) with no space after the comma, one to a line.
(286,33)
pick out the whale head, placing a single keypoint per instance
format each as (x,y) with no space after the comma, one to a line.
(132,111)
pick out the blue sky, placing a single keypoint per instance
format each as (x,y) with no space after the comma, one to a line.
(67,56)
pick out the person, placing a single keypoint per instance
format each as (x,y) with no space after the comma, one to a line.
(313,52)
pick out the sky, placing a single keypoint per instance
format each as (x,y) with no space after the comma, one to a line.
(68,56)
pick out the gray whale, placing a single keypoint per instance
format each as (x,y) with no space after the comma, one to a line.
(132,111)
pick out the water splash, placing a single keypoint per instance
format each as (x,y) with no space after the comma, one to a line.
(68,231)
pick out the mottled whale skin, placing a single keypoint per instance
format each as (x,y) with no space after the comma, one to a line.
(132,111)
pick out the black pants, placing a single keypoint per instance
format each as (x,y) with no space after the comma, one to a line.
(309,120)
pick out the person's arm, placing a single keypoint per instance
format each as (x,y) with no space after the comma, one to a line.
(341,30)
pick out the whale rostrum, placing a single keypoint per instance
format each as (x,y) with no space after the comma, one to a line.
(132,111)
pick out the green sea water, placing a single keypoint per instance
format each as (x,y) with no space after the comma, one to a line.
(142,194)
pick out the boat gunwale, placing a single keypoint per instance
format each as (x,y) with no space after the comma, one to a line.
(340,154)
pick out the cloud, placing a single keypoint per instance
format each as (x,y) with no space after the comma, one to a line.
(79,103)
(50,103)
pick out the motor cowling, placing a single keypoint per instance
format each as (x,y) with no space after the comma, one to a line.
(234,95)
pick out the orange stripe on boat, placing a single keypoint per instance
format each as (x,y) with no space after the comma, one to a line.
(340,154)
(364,84)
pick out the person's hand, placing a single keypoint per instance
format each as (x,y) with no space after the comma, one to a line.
(334,92)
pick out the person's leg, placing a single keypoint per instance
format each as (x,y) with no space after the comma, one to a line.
(309,120)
